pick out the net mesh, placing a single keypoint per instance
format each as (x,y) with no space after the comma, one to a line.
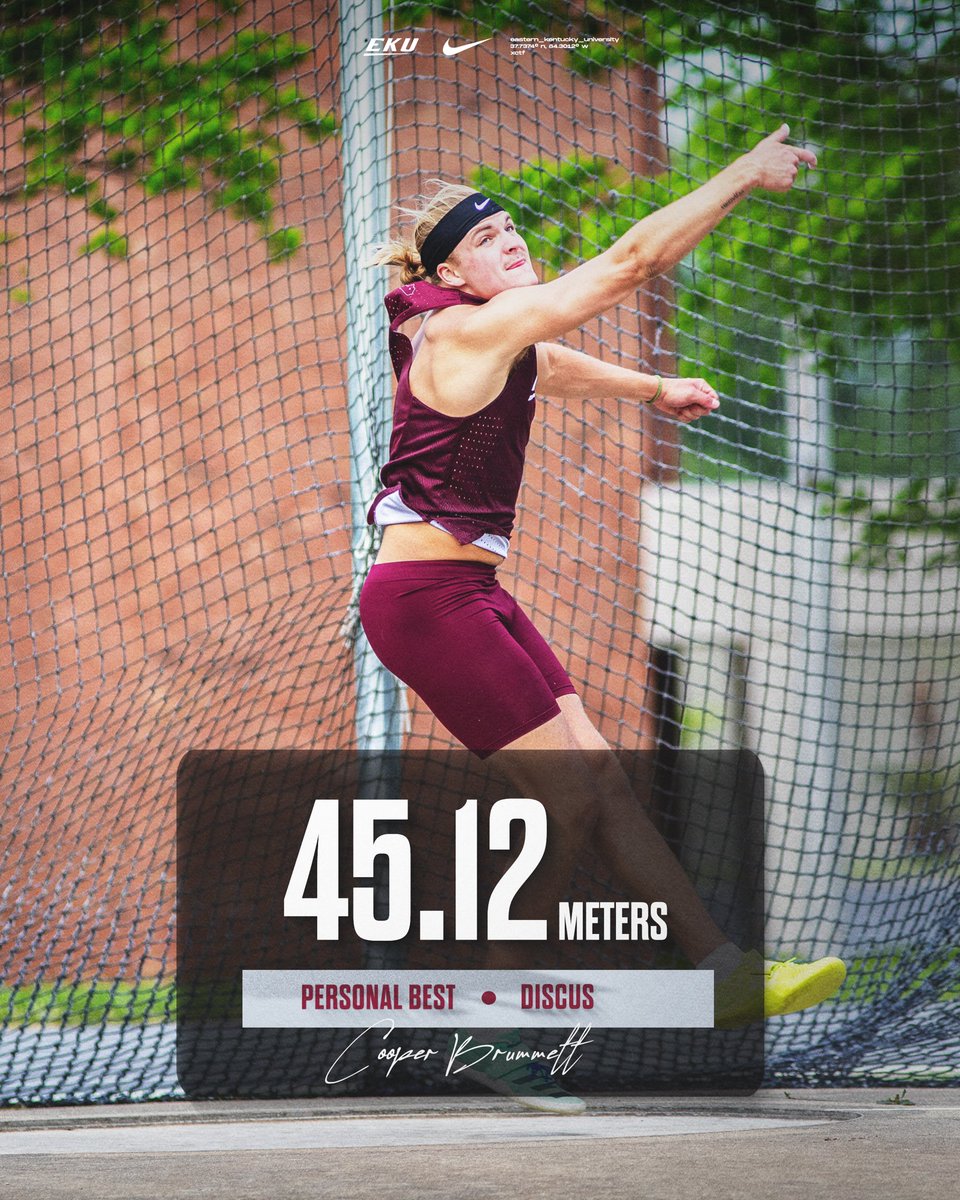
(195,408)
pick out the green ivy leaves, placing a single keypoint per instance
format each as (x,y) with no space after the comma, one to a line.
(169,123)
(920,514)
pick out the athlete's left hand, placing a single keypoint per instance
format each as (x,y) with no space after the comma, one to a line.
(687,399)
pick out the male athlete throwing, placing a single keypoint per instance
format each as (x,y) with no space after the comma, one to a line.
(431,605)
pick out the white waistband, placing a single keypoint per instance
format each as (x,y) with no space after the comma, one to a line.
(392,510)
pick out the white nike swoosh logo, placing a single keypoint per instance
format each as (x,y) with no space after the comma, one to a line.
(482,205)
(450,51)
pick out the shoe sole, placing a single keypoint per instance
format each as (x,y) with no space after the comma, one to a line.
(558,1106)
(826,983)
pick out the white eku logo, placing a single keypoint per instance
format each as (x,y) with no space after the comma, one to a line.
(391,44)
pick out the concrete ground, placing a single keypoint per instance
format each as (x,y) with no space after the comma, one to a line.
(802,1143)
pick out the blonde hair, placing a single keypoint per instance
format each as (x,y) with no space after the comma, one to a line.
(404,252)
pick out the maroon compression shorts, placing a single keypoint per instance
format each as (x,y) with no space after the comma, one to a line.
(450,632)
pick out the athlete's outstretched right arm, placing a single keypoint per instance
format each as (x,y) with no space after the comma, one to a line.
(517,317)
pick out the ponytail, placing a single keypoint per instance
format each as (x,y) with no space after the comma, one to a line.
(404,252)
(403,255)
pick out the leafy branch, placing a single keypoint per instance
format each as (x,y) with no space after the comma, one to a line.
(165,122)
(573,208)
(917,510)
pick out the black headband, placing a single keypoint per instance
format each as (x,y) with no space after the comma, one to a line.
(453,227)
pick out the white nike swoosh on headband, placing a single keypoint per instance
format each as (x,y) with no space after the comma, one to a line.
(482,205)
(450,51)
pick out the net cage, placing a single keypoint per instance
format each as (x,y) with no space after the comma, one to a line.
(197,399)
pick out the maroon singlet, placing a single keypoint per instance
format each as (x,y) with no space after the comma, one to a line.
(462,472)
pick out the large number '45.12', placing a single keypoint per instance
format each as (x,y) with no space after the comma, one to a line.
(320,852)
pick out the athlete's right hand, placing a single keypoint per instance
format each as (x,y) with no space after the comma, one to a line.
(775,164)
(687,400)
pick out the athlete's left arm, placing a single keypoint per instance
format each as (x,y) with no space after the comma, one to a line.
(572,375)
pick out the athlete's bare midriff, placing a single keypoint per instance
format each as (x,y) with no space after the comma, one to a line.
(421,542)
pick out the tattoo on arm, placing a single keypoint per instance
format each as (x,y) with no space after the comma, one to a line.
(734,198)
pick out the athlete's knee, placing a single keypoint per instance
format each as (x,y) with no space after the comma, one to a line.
(586,759)
(563,781)
(605,767)
(582,732)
